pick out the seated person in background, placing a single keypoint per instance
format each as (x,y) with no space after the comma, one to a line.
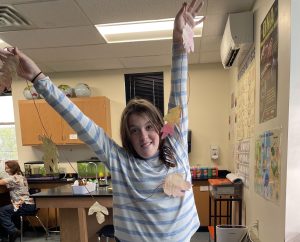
(21,203)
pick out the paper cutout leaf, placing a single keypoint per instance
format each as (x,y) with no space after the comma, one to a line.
(100,212)
(8,72)
(175,185)
(167,129)
(173,116)
(50,155)
(188,38)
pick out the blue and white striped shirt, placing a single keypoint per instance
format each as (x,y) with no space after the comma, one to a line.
(141,210)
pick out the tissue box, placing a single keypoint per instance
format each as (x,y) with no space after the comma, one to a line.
(89,187)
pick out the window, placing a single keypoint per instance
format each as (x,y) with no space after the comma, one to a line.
(149,86)
(8,144)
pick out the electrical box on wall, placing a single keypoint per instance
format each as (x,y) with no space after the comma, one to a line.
(214,152)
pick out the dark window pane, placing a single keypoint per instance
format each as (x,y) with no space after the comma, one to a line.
(149,86)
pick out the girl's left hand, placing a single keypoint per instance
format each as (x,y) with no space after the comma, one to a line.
(186,15)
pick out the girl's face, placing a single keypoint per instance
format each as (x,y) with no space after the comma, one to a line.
(7,169)
(143,136)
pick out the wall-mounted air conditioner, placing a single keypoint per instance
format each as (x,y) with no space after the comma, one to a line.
(237,38)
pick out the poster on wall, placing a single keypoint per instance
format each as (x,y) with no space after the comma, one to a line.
(267,165)
(242,160)
(246,98)
(269,65)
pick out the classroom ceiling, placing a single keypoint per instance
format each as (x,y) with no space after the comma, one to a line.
(61,35)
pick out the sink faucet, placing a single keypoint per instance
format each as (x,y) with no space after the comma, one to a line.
(105,175)
(96,166)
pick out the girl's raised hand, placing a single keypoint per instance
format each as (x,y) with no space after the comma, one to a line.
(186,15)
(26,68)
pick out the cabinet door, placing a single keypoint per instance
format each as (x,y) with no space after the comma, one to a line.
(201,194)
(51,121)
(97,109)
(36,119)
(69,136)
(39,118)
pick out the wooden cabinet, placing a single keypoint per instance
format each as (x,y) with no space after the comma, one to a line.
(38,118)
(201,194)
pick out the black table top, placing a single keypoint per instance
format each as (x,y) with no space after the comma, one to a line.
(66,191)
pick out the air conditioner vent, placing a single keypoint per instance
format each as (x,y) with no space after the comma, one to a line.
(11,19)
(231,57)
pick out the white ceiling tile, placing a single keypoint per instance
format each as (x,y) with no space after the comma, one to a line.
(146,61)
(228,6)
(214,25)
(96,64)
(52,14)
(209,43)
(59,37)
(210,57)
(100,51)
(108,11)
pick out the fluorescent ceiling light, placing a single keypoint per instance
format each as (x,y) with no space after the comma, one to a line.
(141,30)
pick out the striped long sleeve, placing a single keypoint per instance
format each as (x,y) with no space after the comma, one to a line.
(141,210)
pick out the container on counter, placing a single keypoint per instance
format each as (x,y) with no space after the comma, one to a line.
(198,172)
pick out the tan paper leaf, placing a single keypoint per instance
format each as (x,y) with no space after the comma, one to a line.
(100,212)
(50,155)
(175,185)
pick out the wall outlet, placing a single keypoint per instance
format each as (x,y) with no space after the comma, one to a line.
(214,152)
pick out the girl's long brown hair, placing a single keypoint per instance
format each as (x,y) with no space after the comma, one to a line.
(14,167)
(144,107)
(140,107)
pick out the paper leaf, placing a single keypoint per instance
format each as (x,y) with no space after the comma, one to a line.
(173,115)
(50,156)
(100,212)
(175,185)
(97,207)
(100,218)
(167,129)
(188,38)
(8,72)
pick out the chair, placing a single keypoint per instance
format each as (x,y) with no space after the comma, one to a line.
(106,232)
(32,214)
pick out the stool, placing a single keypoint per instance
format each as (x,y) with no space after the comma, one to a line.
(33,214)
(107,231)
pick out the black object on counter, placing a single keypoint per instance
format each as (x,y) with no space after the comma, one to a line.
(223,173)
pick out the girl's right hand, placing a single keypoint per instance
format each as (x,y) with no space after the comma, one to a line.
(26,67)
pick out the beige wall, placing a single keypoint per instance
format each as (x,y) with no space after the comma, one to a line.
(208,113)
(271,216)
(208,96)
(293,165)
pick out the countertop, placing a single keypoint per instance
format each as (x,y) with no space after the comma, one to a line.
(43,180)
(66,191)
